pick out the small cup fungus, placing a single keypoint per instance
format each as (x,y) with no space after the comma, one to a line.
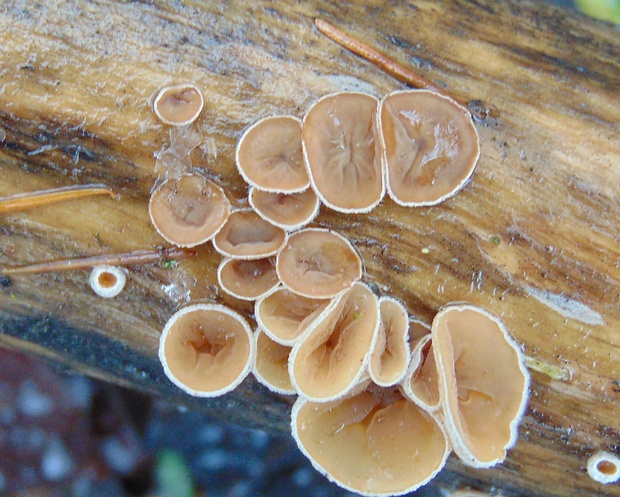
(206,349)
(375,443)
(289,211)
(430,146)
(421,383)
(269,155)
(188,210)
(107,281)
(342,151)
(483,383)
(178,105)
(284,315)
(248,236)
(604,467)
(271,365)
(391,356)
(333,353)
(247,279)
(318,263)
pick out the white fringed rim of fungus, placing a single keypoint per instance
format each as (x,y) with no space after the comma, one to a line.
(430,146)
(271,365)
(342,151)
(178,105)
(483,383)
(107,281)
(269,155)
(207,349)
(289,211)
(604,467)
(421,383)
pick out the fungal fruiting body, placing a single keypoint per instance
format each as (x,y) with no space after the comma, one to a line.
(178,105)
(247,279)
(375,443)
(604,467)
(107,281)
(206,349)
(289,211)
(188,210)
(421,382)
(271,365)
(483,383)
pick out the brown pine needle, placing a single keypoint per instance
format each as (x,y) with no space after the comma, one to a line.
(387,64)
(22,201)
(127,259)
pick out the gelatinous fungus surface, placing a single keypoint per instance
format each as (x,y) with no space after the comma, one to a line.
(206,349)
(178,105)
(430,144)
(188,210)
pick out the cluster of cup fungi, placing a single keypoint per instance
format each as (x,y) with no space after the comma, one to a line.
(383,398)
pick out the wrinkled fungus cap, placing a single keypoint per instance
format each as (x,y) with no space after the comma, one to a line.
(333,353)
(483,383)
(271,365)
(430,146)
(318,263)
(247,279)
(188,210)
(107,281)
(206,349)
(289,211)
(342,151)
(604,467)
(375,443)
(248,236)
(269,155)
(178,105)
(391,355)
(284,315)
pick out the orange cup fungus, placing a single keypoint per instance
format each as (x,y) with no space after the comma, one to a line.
(178,105)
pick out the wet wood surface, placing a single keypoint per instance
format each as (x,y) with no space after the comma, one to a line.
(534,237)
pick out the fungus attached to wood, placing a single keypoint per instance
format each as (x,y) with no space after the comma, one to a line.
(391,355)
(188,210)
(604,467)
(284,315)
(421,383)
(289,211)
(430,146)
(271,365)
(247,279)
(206,349)
(334,352)
(246,235)
(375,443)
(318,263)
(342,151)
(107,281)
(483,383)
(269,155)
(178,105)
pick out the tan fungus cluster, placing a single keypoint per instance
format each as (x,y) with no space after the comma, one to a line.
(383,397)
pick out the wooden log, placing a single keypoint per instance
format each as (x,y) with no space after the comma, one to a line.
(534,237)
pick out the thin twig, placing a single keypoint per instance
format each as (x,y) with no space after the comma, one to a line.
(27,200)
(127,259)
(387,64)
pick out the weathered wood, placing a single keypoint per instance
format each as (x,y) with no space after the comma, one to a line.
(534,237)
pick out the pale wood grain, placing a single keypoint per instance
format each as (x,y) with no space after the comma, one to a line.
(534,237)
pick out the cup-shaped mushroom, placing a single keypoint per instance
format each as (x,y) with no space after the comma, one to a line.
(206,349)
(284,315)
(318,263)
(375,443)
(271,365)
(289,211)
(430,146)
(342,151)
(483,383)
(333,353)
(246,235)
(269,155)
(604,467)
(188,210)
(107,281)
(178,105)
(391,355)
(248,279)
(421,383)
